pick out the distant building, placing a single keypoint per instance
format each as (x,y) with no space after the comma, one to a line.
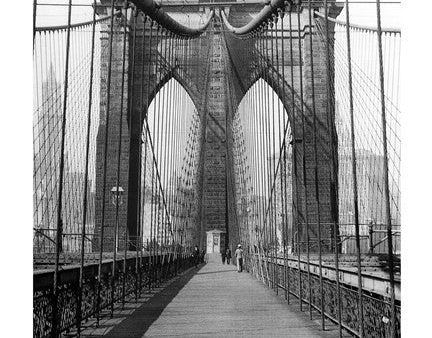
(46,162)
(46,171)
(285,171)
(370,186)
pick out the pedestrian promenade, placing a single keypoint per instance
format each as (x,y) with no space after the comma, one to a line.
(215,300)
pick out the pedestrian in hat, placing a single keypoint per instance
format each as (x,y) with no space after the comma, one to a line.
(239,256)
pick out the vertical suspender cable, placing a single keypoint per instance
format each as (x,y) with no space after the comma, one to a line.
(59,232)
(34,20)
(284,173)
(354,173)
(281,168)
(263,159)
(167,153)
(147,132)
(264,152)
(163,153)
(273,170)
(142,185)
(304,176)
(155,137)
(315,145)
(329,99)
(267,163)
(264,155)
(144,123)
(116,225)
(171,149)
(152,229)
(294,161)
(386,178)
(160,154)
(86,174)
(156,150)
(255,156)
(131,101)
(143,110)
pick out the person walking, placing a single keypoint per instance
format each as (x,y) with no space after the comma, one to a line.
(228,255)
(223,255)
(196,256)
(239,256)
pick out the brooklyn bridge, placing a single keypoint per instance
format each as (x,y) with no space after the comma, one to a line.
(167,134)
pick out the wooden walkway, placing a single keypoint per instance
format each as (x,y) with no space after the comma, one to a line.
(212,301)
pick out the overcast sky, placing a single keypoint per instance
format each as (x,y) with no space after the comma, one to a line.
(360,13)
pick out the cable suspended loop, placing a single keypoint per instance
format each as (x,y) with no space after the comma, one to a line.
(153,10)
(266,13)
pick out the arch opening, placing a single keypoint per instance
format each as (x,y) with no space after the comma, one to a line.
(263,162)
(169,169)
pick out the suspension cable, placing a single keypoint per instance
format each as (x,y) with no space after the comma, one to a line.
(315,145)
(333,189)
(152,9)
(354,173)
(59,232)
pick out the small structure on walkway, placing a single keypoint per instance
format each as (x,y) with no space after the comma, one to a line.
(215,241)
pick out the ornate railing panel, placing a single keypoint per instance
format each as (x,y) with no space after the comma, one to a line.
(125,285)
(376,307)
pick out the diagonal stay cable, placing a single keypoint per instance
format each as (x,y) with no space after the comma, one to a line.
(157,171)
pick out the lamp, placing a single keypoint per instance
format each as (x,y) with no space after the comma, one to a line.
(117,195)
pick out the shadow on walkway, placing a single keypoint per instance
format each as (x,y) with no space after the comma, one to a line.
(135,325)
(206,273)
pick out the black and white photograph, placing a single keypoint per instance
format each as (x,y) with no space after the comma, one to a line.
(217,168)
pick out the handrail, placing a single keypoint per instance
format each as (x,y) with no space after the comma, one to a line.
(366,28)
(267,11)
(75,25)
(153,10)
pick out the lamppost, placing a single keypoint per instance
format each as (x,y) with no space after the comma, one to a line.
(117,200)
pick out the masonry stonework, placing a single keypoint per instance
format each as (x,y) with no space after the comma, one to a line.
(219,69)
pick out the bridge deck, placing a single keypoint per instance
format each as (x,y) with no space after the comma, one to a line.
(215,301)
